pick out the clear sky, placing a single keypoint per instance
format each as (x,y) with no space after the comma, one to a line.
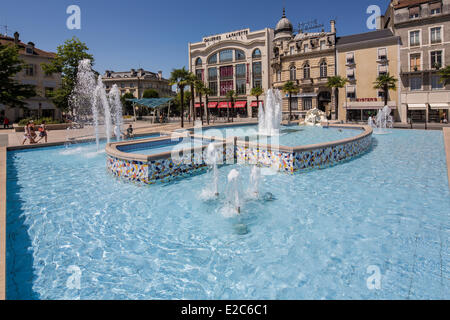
(154,34)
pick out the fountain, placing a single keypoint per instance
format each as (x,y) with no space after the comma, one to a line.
(269,117)
(89,101)
(211,161)
(382,121)
(116,107)
(255,178)
(233,190)
(315,117)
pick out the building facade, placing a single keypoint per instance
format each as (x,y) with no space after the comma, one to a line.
(307,59)
(137,81)
(424,29)
(33,74)
(236,61)
(361,59)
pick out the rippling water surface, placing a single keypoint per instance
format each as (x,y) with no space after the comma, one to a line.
(76,232)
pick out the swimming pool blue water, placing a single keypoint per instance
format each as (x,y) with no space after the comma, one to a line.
(162,146)
(68,219)
(290,136)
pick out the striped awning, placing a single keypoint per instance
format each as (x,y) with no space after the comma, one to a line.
(240,104)
(254,104)
(197,105)
(223,105)
(212,105)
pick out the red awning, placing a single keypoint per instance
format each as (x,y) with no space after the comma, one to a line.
(197,105)
(240,104)
(212,105)
(224,105)
(254,104)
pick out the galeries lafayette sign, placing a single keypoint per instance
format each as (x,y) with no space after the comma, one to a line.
(226,36)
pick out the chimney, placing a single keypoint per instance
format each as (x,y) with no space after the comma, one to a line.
(333,26)
(160,75)
(16,37)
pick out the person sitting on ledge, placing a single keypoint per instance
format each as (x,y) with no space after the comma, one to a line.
(130,133)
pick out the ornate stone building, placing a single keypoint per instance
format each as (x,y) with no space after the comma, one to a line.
(236,61)
(307,59)
(137,81)
(40,105)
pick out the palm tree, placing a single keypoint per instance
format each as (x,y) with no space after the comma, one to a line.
(207,92)
(179,77)
(445,75)
(230,95)
(256,92)
(192,78)
(385,82)
(200,87)
(290,88)
(336,83)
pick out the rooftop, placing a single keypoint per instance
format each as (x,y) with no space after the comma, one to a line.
(368,36)
(5,40)
(409,3)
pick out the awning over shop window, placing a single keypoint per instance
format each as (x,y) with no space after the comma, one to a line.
(212,105)
(197,105)
(254,104)
(240,104)
(437,106)
(223,105)
(417,106)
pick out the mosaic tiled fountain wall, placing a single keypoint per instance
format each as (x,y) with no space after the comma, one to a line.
(162,168)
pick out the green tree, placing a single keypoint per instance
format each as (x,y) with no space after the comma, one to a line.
(179,77)
(207,92)
(230,95)
(150,93)
(127,105)
(257,92)
(200,88)
(191,80)
(335,83)
(12,93)
(445,75)
(66,62)
(290,88)
(385,82)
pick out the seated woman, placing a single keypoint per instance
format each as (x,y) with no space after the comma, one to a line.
(130,133)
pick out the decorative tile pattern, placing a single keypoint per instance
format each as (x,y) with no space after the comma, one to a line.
(165,170)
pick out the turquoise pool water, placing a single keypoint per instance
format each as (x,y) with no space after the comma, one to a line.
(76,232)
(290,136)
(155,147)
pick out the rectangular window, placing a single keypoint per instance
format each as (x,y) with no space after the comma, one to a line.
(212,73)
(307,103)
(415,61)
(435,8)
(414,12)
(414,38)
(226,55)
(436,35)
(351,92)
(436,59)
(257,83)
(323,45)
(381,94)
(199,74)
(226,72)
(350,58)
(257,71)
(294,104)
(30,70)
(213,87)
(225,86)
(278,75)
(241,86)
(382,54)
(416,83)
(436,83)
(241,71)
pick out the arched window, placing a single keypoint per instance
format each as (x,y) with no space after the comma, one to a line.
(212,59)
(198,62)
(323,69)
(256,54)
(240,55)
(293,73)
(226,55)
(306,71)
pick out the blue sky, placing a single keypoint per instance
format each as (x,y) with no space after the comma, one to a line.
(154,34)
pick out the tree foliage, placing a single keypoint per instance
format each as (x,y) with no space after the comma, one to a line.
(66,62)
(12,93)
(150,93)
(445,75)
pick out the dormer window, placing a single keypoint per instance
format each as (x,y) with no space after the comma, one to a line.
(29,50)
(414,12)
(435,8)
